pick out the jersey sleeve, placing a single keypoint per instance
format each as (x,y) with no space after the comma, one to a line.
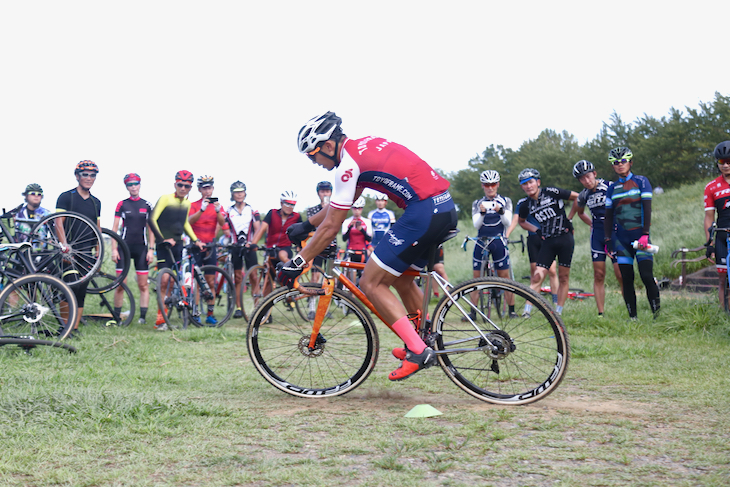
(118,211)
(345,188)
(63,203)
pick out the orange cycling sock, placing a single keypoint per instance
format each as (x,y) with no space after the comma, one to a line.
(404,329)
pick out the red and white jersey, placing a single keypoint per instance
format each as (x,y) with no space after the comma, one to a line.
(357,240)
(386,167)
(717,197)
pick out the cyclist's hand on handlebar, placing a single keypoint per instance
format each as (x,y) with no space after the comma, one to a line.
(200,244)
(286,273)
(299,231)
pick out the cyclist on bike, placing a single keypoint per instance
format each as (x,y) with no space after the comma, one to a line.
(133,214)
(27,214)
(80,200)
(429,216)
(275,224)
(534,242)
(357,232)
(555,230)
(491,216)
(168,222)
(382,219)
(594,197)
(243,221)
(628,214)
(206,217)
(717,200)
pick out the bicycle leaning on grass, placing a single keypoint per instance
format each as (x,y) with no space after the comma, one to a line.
(495,359)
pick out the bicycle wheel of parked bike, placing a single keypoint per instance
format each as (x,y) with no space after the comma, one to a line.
(109,267)
(344,355)
(100,306)
(37,305)
(75,261)
(170,300)
(490,300)
(504,361)
(224,307)
(255,278)
(29,344)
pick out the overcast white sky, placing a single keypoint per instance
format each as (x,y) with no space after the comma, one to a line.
(222,87)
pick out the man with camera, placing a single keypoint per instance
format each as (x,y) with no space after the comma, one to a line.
(205,216)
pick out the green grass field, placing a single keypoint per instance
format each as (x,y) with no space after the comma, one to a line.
(644,403)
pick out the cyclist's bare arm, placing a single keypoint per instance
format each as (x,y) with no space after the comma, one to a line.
(527,225)
(328,228)
(709,220)
(115,228)
(259,233)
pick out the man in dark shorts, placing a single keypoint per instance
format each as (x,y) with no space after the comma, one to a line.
(133,215)
(430,214)
(243,221)
(556,231)
(80,200)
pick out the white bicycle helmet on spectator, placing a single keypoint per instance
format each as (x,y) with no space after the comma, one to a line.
(490,176)
(581,168)
(359,203)
(381,197)
(288,197)
(318,129)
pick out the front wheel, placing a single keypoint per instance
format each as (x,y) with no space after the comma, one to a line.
(497,359)
(344,355)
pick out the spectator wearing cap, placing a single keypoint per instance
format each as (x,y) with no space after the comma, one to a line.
(29,212)
(80,200)
(131,221)
(243,221)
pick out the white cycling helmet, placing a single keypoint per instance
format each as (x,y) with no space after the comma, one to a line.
(490,176)
(359,203)
(316,130)
(289,197)
(381,196)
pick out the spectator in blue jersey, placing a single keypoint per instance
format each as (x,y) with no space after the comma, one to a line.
(133,214)
(381,218)
(491,216)
(628,214)
(556,231)
(594,197)
(27,214)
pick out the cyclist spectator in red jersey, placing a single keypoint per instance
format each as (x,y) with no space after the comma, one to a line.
(133,214)
(80,200)
(387,167)
(206,216)
(717,200)
(275,224)
(357,232)
(243,221)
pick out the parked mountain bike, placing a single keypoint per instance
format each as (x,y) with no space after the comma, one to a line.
(495,359)
(33,306)
(183,292)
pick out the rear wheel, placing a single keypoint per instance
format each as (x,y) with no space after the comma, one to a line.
(501,360)
(75,261)
(109,268)
(224,300)
(100,306)
(344,355)
(39,306)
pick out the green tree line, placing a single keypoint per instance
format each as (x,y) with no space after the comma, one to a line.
(671,151)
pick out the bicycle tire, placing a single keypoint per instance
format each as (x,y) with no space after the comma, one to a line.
(530,357)
(102,312)
(109,267)
(229,298)
(38,305)
(74,266)
(278,346)
(31,343)
(174,308)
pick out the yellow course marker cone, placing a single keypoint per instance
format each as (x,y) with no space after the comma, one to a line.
(423,411)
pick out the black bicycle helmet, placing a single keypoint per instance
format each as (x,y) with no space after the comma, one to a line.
(33,187)
(722,150)
(620,153)
(527,174)
(324,185)
(581,168)
(238,186)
